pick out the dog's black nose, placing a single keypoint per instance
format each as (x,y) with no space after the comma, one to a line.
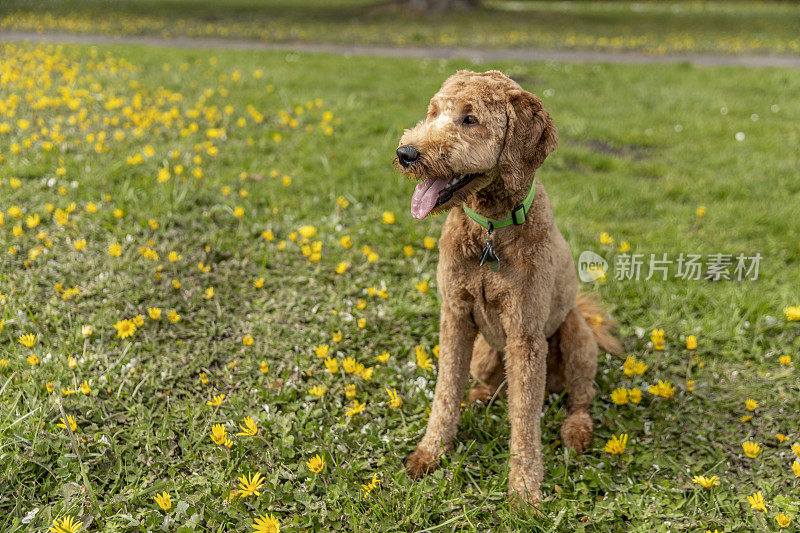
(407,155)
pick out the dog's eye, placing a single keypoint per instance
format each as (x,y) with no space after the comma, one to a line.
(470,120)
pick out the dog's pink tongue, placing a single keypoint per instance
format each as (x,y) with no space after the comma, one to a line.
(425,195)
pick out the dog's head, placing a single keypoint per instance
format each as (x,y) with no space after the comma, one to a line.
(481,129)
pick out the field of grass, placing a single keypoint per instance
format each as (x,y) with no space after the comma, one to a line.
(730,27)
(135,179)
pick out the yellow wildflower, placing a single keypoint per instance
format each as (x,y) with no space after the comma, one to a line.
(266,524)
(757,502)
(249,485)
(706,482)
(783,520)
(73,426)
(792,313)
(616,445)
(249,429)
(422,286)
(332,365)
(619,396)
(751,449)
(657,336)
(173,316)
(423,361)
(154,312)
(163,500)
(394,400)
(216,401)
(388,217)
(750,404)
(316,464)
(125,328)
(66,524)
(321,351)
(218,434)
(355,408)
(663,389)
(317,390)
(691,342)
(27,340)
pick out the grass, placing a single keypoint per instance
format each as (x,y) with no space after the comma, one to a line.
(641,148)
(729,27)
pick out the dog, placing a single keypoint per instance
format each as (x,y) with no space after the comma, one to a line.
(520,326)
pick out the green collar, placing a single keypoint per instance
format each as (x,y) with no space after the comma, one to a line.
(517,217)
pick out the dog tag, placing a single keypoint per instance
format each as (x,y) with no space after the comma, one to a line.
(489,258)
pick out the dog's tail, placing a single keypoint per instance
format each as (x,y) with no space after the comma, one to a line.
(599,321)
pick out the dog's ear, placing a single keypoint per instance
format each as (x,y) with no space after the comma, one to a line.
(530,136)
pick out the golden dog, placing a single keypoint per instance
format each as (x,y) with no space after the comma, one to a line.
(522,324)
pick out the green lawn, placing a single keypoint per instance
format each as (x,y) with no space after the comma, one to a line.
(641,148)
(729,27)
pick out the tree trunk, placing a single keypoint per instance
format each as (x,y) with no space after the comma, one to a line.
(438,6)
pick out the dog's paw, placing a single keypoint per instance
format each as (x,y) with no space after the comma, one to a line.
(421,462)
(576,431)
(480,393)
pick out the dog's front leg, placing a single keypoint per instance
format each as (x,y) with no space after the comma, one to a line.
(456,337)
(526,368)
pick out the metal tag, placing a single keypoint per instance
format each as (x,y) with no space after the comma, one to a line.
(488,257)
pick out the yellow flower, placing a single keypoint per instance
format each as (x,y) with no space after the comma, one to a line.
(154,312)
(422,286)
(332,365)
(796,448)
(218,434)
(138,321)
(73,426)
(153,223)
(394,400)
(85,388)
(757,502)
(247,340)
(317,390)
(337,336)
(388,217)
(119,213)
(700,211)
(341,268)
(429,243)
(781,437)
(268,235)
(423,361)
(633,366)
(706,482)
(624,247)
(342,202)
(114,249)
(209,293)
(49,386)
(173,316)
(216,401)
(616,445)
(264,367)
(663,389)
(690,385)
(316,464)
(27,340)
(350,391)
(383,357)
(796,468)
(355,408)
(349,365)
(691,342)
(80,244)
(125,328)
(369,487)
(605,238)
(435,351)
(258,283)
(619,396)
(751,449)
(163,500)
(372,257)
(238,211)
(248,486)
(266,524)
(346,242)
(321,350)
(785,360)
(408,250)
(751,404)
(783,520)
(362,323)
(657,336)
(203,378)
(307,231)
(249,429)
(66,525)
(33,360)
(792,313)
(366,373)
(174,257)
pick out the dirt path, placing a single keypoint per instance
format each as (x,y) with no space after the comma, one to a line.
(483,55)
